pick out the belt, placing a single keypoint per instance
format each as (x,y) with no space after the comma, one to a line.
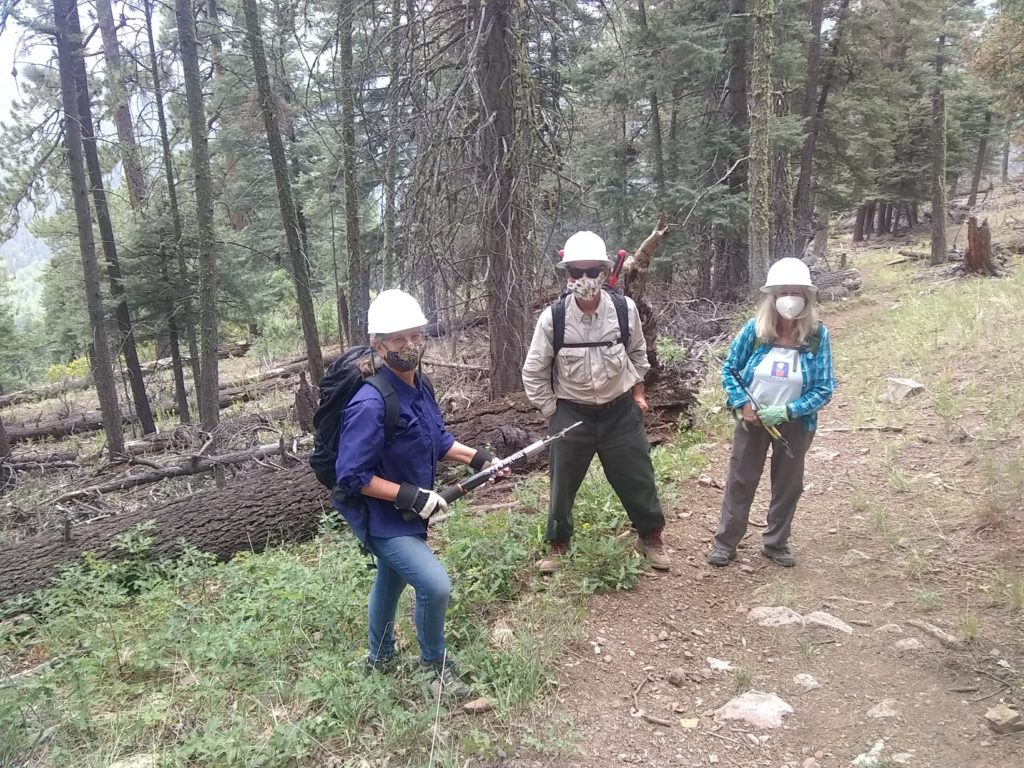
(601,406)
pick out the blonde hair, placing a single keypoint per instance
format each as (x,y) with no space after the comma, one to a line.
(766,321)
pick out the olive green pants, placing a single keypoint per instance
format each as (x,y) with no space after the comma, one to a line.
(749,451)
(616,433)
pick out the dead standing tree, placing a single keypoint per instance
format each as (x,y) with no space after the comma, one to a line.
(634,278)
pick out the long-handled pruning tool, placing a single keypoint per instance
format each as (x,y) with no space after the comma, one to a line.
(772,431)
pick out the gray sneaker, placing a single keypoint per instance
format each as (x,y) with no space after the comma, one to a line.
(720,557)
(445,681)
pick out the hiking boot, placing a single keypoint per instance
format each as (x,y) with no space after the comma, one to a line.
(652,547)
(720,557)
(384,665)
(445,680)
(781,557)
(553,561)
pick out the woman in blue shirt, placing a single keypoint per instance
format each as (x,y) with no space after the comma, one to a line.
(384,489)
(784,358)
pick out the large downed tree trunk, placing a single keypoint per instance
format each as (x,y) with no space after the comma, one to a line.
(269,507)
(250,514)
(88,421)
(237,349)
(839,284)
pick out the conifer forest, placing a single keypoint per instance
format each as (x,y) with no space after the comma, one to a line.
(199,199)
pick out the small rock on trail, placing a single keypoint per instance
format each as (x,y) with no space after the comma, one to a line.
(757,709)
(823,619)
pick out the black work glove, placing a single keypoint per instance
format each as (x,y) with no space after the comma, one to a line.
(420,501)
(481,459)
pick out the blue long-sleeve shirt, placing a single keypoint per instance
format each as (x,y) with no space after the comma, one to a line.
(818,379)
(420,441)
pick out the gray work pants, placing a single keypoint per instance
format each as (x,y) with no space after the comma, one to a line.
(749,450)
(616,433)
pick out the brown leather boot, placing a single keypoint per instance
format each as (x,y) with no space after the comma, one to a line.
(553,561)
(652,547)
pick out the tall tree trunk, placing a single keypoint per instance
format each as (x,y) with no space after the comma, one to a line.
(389,252)
(869,218)
(209,412)
(1005,171)
(781,237)
(179,291)
(135,179)
(858,227)
(729,279)
(300,266)
(803,205)
(657,144)
(938,139)
(880,217)
(499,167)
(69,47)
(758,183)
(979,164)
(115,278)
(358,274)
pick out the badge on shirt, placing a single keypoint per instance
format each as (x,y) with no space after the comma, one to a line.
(780,369)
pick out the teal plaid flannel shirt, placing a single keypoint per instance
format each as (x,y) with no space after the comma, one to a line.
(819,382)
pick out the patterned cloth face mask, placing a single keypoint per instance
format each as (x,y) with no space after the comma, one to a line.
(585,288)
(407,358)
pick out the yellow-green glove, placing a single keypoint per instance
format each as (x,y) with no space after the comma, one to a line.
(772,415)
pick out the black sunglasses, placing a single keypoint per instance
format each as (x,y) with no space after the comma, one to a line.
(589,271)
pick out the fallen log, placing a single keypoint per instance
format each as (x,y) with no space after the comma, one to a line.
(285,505)
(237,349)
(250,514)
(79,422)
(190,466)
(838,284)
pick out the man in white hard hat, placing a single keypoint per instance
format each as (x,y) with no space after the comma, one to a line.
(587,362)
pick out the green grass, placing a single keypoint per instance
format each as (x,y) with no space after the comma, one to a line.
(969,626)
(926,599)
(258,661)
(780,593)
(930,333)
(742,680)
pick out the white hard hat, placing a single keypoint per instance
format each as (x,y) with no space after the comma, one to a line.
(788,272)
(394,310)
(584,246)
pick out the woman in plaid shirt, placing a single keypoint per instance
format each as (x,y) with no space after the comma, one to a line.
(784,358)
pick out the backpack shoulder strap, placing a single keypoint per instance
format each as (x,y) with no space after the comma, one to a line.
(429,385)
(387,391)
(622,312)
(558,324)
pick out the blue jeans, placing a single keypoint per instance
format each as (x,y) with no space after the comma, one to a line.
(400,561)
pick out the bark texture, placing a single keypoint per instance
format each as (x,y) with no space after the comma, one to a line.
(760,101)
(68,47)
(209,413)
(501,180)
(252,513)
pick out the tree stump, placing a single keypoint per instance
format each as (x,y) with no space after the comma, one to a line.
(978,259)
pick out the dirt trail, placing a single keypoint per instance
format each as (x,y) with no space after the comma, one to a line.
(847,567)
